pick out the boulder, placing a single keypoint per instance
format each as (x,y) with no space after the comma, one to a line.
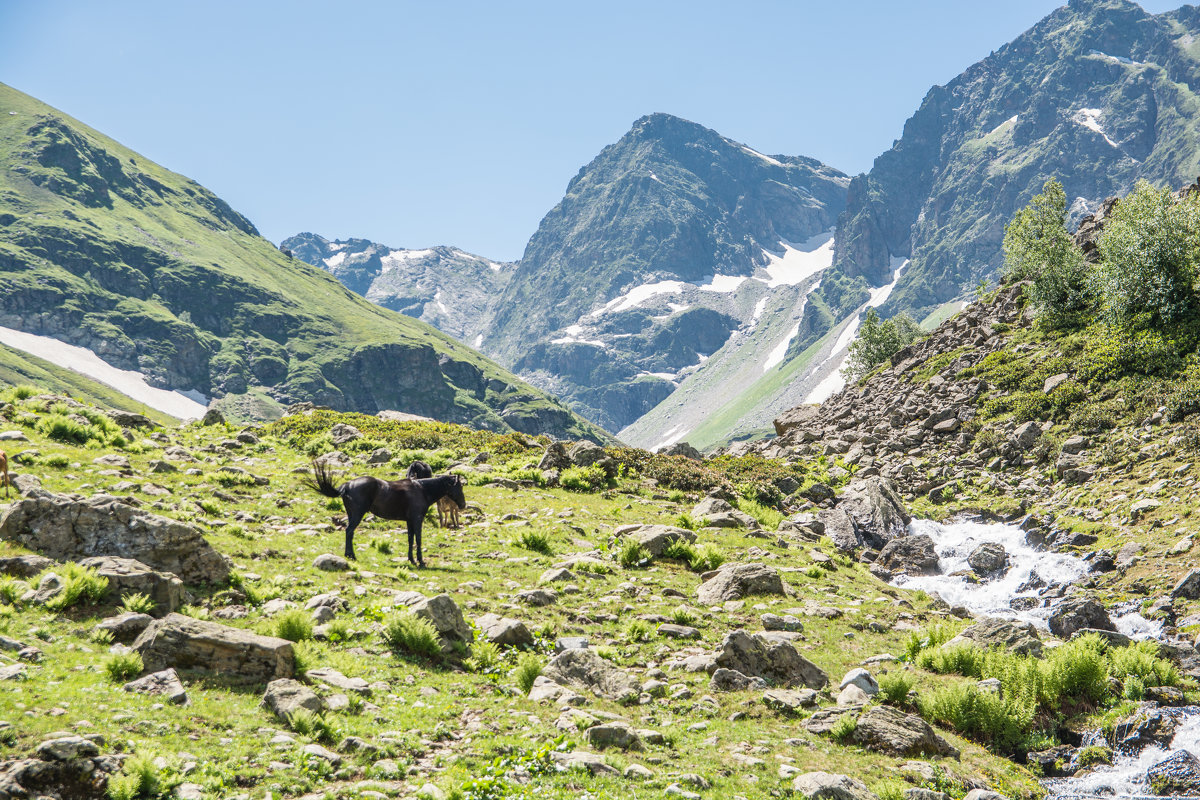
(585,669)
(777,662)
(827,786)
(236,655)
(67,529)
(736,581)
(989,558)
(342,433)
(1177,776)
(869,514)
(1026,435)
(862,679)
(125,627)
(682,449)
(537,597)
(729,680)
(555,457)
(914,555)
(503,631)
(657,538)
(165,683)
(1072,613)
(886,730)
(790,701)
(1146,726)
(24,566)
(127,576)
(1020,637)
(330,562)
(67,748)
(1188,587)
(285,697)
(613,734)
(715,512)
(331,677)
(444,614)
(589,762)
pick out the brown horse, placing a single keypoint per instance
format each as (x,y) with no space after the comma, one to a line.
(405,499)
(4,469)
(447,512)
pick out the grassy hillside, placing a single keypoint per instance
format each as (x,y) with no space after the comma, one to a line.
(462,725)
(107,250)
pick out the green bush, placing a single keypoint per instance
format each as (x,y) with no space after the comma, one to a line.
(680,550)
(630,553)
(894,688)
(1142,660)
(122,667)
(138,603)
(963,659)
(80,585)
(529,667)
(11,590)
(844,728)
(61,428)
(1005,724)
(706,557)
(312,725)
(294,624)
(877,340)
(682,615)
(1037,247)
(57,461)
(583,479)
(406,632)
(485,657)
(638,631)
(138,778)
(1149,249)
(535,540)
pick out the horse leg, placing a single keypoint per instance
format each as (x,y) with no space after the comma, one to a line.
(414,531)
(354,515)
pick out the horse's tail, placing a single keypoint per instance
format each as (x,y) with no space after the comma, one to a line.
(322,479)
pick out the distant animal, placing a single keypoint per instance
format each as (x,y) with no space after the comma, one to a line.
(447,511)
(419,469)
(4,469)
(406,499)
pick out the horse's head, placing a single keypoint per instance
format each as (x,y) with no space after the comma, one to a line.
(456,492)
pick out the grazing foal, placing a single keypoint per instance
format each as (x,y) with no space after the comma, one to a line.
(405,499)
(447,511)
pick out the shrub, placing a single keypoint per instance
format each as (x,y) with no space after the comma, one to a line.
(1141,660)
(1149,252)
(768,517)
(62,428)
(877,341)
(122,667)
(80,585)
(638,630)
(583,479)
(981,715)
(1135,688)
(138,603)
(535,540)
(529,667)
(630,553)
(680,550)
(312,725)
(894,688)
(686,522)
(20,392)
(57,461)
(138,778)
(707,557)
(406,632)
(682,615)
(485,657)
(294,624)
(962,660)
(11,590)
(1037,247)
(933,636)
(844,728)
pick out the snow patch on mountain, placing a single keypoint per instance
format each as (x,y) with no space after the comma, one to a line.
(767,159)
(1090,119)
(800,261)
(335,259)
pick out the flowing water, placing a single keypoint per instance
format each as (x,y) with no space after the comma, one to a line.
(1031,571)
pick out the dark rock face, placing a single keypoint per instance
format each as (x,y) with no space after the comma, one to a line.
(934,195)
(913,555)
(1074,613)
(70,530)
(1178,775)
(868,514)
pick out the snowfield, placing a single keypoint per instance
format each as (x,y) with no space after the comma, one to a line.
(800,261)
(1090,119)
(128,382)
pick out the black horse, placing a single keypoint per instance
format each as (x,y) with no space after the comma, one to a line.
(404,499)
(419,469)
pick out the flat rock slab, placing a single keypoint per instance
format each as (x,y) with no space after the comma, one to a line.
(165,682)
(127,576)
(827,786)
(125,627)
(790,701)
(285,697)
(736,581)
(585,669)
(887,730)
(66,529)
(504,631)
(233,654)
(591,762)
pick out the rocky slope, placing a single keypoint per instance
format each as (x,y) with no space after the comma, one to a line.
(106,250)
(448,288)
(1099,94)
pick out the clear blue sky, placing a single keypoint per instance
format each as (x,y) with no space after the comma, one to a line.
(417,124)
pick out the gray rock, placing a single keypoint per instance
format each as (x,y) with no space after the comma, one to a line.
(736,581)
(342,433)
(445,616)
(237,655)
(125,627)
(590,762)
(1027,434)
(886,730)
(870,514)
(1020,637)
(657,538)
(862,679)
(914,555)
(1188,587)
(729,680)
(988,559)
(24,566)
(49,586)
(1072,613)
(70,530)
(585,669)
(331,563)
(165,682)
(673,631)
(983,794)
(322,753)
(504,631)
(537,597)
(127,576)
(774,622)
(613,734)
(331,677)
(67,748)
(774,661)
(791,701)
(852,695)
(555,575)
(285,697)
(826,786)
(564,643)
(1054,381)
(1178,775)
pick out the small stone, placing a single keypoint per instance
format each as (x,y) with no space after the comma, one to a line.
(331,563)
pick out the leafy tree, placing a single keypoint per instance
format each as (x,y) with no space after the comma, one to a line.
(877,341)
(1037,247)
(1149,253)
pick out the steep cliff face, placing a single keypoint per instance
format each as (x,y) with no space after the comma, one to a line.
(105,249)
(667,222)
(1099,93)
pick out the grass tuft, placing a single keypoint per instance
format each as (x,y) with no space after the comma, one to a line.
(405,632)
(295,625)
(123,667)
(529,667)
